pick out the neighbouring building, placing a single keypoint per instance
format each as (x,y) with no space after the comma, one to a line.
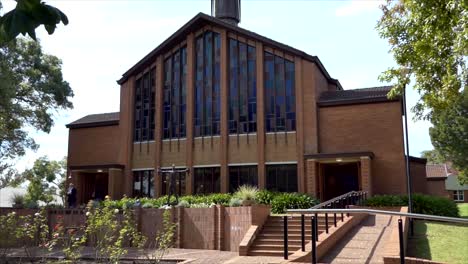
(234,107)
(442,181)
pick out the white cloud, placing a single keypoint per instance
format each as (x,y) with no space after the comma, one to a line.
(352,8)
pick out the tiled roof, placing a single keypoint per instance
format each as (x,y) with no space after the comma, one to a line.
(105,119)
(436,171)
(362,95)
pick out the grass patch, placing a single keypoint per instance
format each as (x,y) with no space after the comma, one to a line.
(463,210)
(439,242)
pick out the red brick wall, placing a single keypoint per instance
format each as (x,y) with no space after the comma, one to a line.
(93,146)
(217,227)
(418,177)
(368,127)
(237,220)
(437,188)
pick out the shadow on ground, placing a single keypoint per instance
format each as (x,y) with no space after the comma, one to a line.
(418,245)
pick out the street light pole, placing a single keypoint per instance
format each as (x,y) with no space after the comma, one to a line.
(408,169)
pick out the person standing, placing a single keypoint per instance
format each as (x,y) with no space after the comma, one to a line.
(71,195)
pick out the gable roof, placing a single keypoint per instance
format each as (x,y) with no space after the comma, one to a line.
(356,96)
(96,120)
(436,171)
(202,19)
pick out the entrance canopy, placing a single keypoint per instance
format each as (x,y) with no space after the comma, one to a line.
(332,174)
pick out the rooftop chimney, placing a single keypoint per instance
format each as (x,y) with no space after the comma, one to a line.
(226,10)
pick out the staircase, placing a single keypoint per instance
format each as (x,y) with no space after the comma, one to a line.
(270,240)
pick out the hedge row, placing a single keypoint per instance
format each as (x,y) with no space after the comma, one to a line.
(279,201)
(422,204)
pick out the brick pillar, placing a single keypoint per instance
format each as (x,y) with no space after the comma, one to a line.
(179,226)
(190,106)
(158,120)
(220,225)
(224,114)
(312,175)
(366,175)
(260,119)
(115,182)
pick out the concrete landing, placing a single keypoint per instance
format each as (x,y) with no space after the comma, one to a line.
(364,243)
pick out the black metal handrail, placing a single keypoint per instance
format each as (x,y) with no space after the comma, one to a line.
(315,211)
(342,201)
(339,198)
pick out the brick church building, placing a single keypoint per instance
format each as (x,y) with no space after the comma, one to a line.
(234,107)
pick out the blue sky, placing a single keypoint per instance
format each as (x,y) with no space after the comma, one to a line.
(105,38)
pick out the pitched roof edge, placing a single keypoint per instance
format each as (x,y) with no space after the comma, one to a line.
(374,100)
(240,30)
(93,124)
(418,160)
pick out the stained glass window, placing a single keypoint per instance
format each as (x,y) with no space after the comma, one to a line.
(174,95)
(207,84)
(144,108)
(242,88)
(280,96)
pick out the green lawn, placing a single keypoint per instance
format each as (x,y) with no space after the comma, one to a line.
(463,209)
(440,242)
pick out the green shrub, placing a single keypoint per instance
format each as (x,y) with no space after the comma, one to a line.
(219,198)
(284,201)
(183,204)
(386,200)
(18,199)
(433,205)
(422,204)
(246,193)
(265,197)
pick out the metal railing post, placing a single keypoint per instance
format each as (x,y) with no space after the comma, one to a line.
(316,226)
(411,222)
(326,223)
(285,234)
(303,232)
(314,245)
(402,248)
(342,218)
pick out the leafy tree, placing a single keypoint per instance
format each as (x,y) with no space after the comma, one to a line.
(27,16)
(46,179)
(450,135)
(428,40)
(31,89)
(433,156)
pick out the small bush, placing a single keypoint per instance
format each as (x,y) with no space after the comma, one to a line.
(17,200)
(183,204)
(422,204)
(235,202)
(386,200)
(200,205)
(265,196)
(219,198)
(246,193)
(284,201)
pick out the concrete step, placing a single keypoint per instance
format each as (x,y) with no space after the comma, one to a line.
(279,248)
(290,232)
(278,241)
(280,236)
(269,253)
(296,226)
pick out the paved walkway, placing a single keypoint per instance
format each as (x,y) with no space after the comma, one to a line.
(192,256)
(364,243)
